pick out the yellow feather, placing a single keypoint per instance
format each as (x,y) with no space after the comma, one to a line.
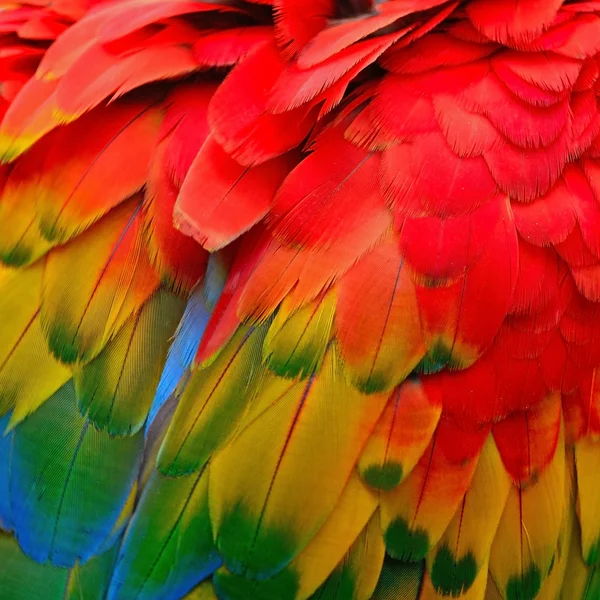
(365,560)
(463,550)
(577,573)
(297,340)
(215,398)
(477,590)
(94,284)
(21,242)
(314,564)
(115,390)
(587,460)
(554,581)
(530,527)
(23,347)
(356,505)
(266,488)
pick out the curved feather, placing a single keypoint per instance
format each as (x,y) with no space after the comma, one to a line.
(58,516)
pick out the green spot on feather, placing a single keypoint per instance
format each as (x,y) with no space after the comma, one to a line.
(383,477)
(450,576)
(17,256)
(62,344)
(246,552)
(525,586)
(405,544)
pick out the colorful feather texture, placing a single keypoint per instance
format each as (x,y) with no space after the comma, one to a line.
(300,301)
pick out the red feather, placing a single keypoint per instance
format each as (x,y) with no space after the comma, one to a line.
(298,22)
(238,117)
(228,47)
(332,198)
(527,441)
(426,176)
(512,22)
(98,75)
(221,199)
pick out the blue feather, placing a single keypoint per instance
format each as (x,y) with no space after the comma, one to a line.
(68,481)
(189,333)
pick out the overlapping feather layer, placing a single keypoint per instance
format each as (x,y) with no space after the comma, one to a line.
(360,241)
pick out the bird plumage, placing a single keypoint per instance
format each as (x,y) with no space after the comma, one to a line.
(300,300)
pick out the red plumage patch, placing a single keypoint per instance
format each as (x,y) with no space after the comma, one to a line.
(238,116)
(222,199)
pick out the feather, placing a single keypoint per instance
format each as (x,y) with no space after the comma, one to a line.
(177,258)
(400,437)
(265,510)
(533,172)
(580,580)
(459,562)
(307,571)
(227,48)
(238,116)
(469,134)
(478,590)
(510,23)
(92,166)
(333,40)
(356,576)
(115,390)
(183,347)
(168,546)
(215,398)
(318,206)
(586,453)
(28,579)
(113,279)
(538,79)
(221,199)
(28,118)
(556,580)
(397,112)
(549,219)
(433,51)
(183,131)
(23,347)
(6,441)
(98,75)
(377,320)
(124,19)
(527,441)
(21,242)
(399,581)
(415,514)
(456,333)
(296,85)
(530,525)
(523,125)
(426,176)
(575,37)
(296,342)
(298,23)
(91,578)
(60,514)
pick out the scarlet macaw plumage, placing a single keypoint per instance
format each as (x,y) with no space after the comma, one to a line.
(300,300)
